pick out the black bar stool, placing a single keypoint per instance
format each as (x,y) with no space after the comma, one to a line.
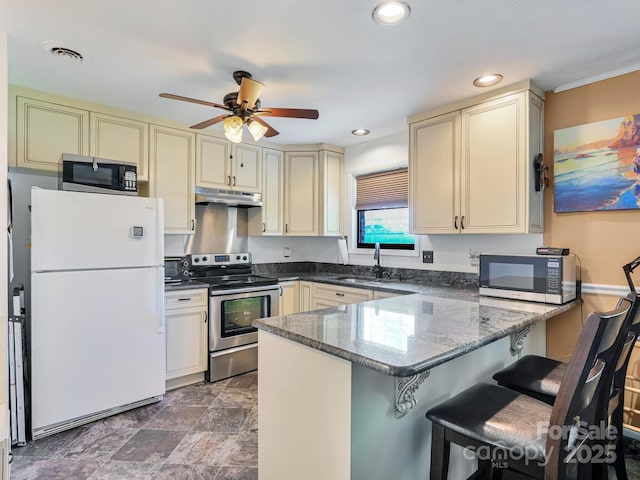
(511,430)
(540,377)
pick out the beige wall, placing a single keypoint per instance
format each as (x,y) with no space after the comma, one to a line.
(604,241)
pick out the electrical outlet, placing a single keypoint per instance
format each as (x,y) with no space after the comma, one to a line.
(286,252)
(427,256)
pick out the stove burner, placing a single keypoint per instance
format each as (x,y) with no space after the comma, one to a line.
(226,271)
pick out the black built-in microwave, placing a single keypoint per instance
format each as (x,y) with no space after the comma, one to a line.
(79,173)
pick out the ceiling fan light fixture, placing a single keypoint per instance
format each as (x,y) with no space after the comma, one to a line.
(256,129)
(233,128)
(391,13)
(488,80)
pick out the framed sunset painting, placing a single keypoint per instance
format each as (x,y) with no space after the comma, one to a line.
(597,166)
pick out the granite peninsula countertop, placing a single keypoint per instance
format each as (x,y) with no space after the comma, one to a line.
(406,335)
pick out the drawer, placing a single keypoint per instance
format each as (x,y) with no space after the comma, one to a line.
(186,298)
(343,295)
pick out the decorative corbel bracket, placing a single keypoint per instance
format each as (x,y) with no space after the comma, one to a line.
(405,392)
(517,339)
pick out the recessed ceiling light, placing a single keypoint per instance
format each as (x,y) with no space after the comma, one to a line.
(360,132)
(391,13)
(63,51)
(488,80)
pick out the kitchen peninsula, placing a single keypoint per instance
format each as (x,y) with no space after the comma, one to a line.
(343,391)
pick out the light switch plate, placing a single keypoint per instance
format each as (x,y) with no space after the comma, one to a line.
(427,256)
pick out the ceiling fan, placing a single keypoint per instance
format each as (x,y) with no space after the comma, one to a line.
(245,108)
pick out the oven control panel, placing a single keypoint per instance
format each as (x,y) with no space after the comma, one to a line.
(221,259)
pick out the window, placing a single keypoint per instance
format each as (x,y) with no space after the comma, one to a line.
(383,213)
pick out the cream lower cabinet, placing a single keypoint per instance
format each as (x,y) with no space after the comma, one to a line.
(44,131)
(120,139)
(305,295)
(472,170)
(289,297)
(221,164)
(186,332)
(269,219)
(378,295)
(172,176)
(325,295)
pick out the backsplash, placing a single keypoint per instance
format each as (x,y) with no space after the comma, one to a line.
(430,277)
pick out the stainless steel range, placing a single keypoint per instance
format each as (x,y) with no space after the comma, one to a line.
(236,299)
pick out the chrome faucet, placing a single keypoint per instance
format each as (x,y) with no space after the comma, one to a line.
(377,269)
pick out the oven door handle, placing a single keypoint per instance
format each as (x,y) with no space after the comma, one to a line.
(221,293)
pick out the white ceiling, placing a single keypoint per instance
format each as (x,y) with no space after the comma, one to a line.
(326,54)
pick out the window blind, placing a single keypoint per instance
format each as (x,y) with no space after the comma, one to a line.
(388,189)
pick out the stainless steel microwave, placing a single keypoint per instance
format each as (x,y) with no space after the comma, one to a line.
(536,278)
(97,175)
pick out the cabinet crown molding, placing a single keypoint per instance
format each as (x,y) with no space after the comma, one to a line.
(475,100)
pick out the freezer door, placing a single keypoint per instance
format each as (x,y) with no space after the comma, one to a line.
(76,230)
(97,341)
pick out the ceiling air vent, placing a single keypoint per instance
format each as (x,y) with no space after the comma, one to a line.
(63,52)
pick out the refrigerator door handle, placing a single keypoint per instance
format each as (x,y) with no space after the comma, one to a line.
(161,318)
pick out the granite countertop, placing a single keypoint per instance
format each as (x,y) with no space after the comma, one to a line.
(170,287)
(406,335)
(353,281)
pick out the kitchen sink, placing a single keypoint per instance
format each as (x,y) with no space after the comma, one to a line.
(352,279)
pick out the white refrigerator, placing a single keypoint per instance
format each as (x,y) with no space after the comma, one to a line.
(97,303)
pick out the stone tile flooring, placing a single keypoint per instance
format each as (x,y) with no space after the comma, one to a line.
(207,431)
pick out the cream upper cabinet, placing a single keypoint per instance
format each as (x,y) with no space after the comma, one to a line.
(301,193)
(471,170)
(44,131)
(434,179)
(213,169)
(289,301)
(331,211)
(246,167)
(313,200)
(172,176)
(221,164)
(121,139)
(269,219)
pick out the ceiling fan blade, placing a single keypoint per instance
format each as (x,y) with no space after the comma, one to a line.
(249,92)
(289,112)
(211,121)
(193,100)
(271,132)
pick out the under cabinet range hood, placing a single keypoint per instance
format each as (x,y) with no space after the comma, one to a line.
(228,197)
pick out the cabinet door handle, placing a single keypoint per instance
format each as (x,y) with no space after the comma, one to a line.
(234,180)
(455,222)
(229,180)
(281,290)
(193,225)
(264,227)
(186,299)
(286,228)
(340,294)
(462,222)
(206,317)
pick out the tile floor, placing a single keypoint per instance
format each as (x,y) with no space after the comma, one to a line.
(207,431)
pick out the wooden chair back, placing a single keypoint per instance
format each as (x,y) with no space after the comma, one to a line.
(592,363)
